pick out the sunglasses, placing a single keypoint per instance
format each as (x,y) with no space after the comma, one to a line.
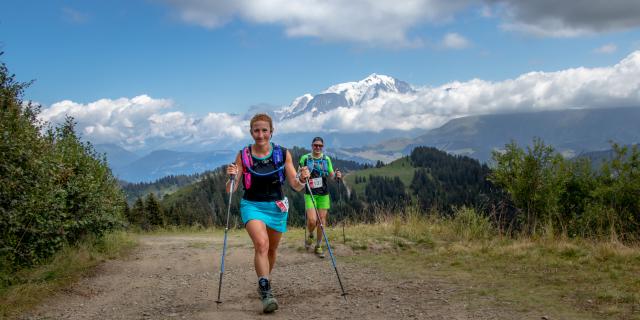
(317,145)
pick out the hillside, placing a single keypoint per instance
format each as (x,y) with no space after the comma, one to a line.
(205,201)
(401,168)
(429,178)
(159,187)
(572,132)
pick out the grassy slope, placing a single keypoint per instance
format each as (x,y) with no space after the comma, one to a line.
(159,191)
(400,168)
(558,278)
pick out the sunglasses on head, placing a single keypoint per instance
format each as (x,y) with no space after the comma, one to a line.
(317,145)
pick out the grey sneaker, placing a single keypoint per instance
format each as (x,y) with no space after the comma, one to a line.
(269,303)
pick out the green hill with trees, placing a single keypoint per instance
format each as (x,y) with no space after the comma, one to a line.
(204,202)
(159,187)
(429,178)
(532,191)
(55,190)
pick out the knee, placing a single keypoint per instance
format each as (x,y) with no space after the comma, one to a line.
(262,246)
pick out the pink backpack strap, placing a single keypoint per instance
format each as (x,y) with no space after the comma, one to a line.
(247,162)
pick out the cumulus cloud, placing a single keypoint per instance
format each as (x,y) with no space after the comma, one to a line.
(370,22)
(552,18)
(142,123)
(146,123)
(430,107)
(388,23)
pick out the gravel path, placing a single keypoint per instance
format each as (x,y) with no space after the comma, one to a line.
(176,277)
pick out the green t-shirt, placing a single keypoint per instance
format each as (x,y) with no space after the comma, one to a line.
(320,168)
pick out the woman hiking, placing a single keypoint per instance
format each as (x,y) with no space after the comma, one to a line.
(320,168)
(263,207)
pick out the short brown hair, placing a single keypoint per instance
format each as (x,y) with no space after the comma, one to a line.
(261,117)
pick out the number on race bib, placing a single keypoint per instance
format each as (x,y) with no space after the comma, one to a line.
(315,183)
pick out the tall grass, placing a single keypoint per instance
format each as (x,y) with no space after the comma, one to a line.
(564,277)
(412,227)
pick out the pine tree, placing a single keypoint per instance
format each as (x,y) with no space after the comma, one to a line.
(153,211)
(138,216)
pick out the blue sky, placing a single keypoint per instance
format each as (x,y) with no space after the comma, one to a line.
(220,57)
(87,50)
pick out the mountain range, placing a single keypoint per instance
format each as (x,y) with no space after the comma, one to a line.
(348,94)
(131,167)
(572,132)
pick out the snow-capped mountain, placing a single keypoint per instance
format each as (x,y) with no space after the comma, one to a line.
(346,94)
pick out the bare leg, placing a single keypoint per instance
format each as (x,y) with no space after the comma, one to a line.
(274,241)
(258,232)
(311,220)
(323,218)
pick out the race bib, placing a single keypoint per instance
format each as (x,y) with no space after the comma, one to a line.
(315,183)
(283,204)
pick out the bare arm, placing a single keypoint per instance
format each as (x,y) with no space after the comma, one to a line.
(292,178)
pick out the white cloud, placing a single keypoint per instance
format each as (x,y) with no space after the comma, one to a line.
(369,22)
(146,123)
(606,49)
(454,41)
(614,86)
(388,23)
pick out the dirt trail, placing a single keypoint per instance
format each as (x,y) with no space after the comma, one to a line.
(176,277)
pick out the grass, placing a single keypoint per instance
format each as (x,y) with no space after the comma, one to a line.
(400,168)
(31,286)
(552,276)
(558,277)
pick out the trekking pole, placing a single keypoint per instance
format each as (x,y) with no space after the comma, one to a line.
(326,240)
(224,246)
(304,240)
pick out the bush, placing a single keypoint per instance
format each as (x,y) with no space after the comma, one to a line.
(54,189)
(568,196)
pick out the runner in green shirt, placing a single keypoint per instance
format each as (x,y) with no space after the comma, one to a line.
(320,168)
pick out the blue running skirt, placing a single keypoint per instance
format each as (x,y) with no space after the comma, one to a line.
(265,211)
